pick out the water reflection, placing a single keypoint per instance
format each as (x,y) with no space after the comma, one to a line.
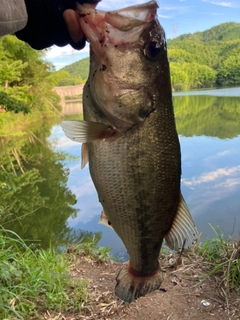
(55,200)
(211,182)
(38,203)
(209,134)
(207,116)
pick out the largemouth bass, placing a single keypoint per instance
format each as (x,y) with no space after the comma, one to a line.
(129,137)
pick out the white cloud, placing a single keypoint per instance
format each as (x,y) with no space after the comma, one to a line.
(55,51)
(206,196)
(212,176)
(230,4)
(75,167)
(175,10)
(63,143)
(164,17)
(224,153)
(86,188)
(118,4)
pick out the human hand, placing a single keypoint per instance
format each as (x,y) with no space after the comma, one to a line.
(53,22)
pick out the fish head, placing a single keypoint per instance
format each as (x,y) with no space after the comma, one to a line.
(128,61)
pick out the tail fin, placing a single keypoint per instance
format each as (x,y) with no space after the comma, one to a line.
(130,286)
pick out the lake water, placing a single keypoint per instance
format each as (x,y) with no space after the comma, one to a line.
(208,124)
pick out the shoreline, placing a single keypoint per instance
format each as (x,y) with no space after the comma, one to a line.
(79,283)
(183,294)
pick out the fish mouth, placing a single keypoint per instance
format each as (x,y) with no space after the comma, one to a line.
(112,28)
(119,93)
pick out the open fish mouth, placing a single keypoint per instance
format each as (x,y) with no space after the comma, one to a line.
(117,27)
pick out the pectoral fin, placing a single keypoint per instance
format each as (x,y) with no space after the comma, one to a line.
(87,131)
(183,233)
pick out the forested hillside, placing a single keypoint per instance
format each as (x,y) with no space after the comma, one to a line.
(206,58)
(198,60)
(77,73)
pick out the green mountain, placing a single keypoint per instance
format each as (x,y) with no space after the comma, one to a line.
(206,58)
(79,68)
(78,73)
(198,60)
(226,32)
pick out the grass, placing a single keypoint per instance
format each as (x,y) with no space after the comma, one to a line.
(223,256)
(89,248)
(33,281)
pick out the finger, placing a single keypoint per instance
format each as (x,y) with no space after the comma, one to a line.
(73,26)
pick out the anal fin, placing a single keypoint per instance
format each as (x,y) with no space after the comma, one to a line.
(84,154)
(104,220)
(183,232)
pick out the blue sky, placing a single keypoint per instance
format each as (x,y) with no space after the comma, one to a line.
(188,16)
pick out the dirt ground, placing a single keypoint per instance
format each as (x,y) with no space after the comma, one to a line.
(183,296)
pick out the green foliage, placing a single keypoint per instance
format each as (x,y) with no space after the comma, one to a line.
(206,59)
(229,71)
(179,77)
(11,104)
(34,189)
(191,74)
(7,180)
(225,31)
(32,281)
(25,79)
(224,256)
(89,248)
(70,81)
(207,116)
(78,73)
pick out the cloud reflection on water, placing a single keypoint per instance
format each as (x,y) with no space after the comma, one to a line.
(211,176)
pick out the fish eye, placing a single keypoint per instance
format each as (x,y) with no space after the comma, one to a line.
(153,50)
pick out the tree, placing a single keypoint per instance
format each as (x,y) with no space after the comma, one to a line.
(229,72)
(26,77)
(179,77)
(35,199)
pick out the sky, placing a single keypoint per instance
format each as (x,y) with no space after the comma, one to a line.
(176,16)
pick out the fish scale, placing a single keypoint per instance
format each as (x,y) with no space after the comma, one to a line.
(125,175)
(129,137)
